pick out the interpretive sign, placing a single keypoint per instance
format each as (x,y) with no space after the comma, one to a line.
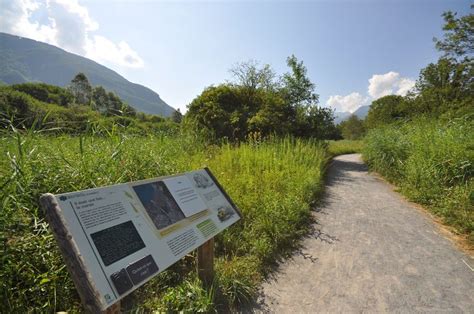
(116,238)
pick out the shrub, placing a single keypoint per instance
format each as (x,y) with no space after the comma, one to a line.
(433,164)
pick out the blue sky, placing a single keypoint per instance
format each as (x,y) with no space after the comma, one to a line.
(179,47)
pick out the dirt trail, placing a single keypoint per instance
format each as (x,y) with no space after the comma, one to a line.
(371,251)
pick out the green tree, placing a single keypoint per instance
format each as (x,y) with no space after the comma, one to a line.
(444,86)
(115,105)
(458,38)
(251,79)
(46,93)
(308,119)
(128,111)
(177,116)
(352,128)
(81,89)
(251,76)
(385,110)
(447,87)
(15,106)
(298,87)
(218,112)
(100,99)
(272,117)
(257,102)
(321,123)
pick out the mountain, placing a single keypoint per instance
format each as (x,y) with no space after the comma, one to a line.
(361,113)
(25,60)
(341,116)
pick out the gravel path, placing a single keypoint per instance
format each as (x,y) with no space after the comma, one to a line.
(371,251)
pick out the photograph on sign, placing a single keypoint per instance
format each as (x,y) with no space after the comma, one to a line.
(128,233)
(201,181)
(159,204)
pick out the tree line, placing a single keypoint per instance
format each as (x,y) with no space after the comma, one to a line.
(74,109)
(444,90)
(259,101)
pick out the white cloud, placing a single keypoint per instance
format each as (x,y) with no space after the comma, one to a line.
(67,24)
(346,103)
(404,86)
(15,18)
(102,49)
(380,85)
(390,83)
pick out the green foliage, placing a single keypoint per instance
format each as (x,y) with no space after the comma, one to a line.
(101,101)
(352,128)
(459,35)
(272,182)
(444,88)
(342,147)
(315,122)
(177,116)
(385,110)
(81,89)
(298,88)
(424,142)
(110,104)
(49,108)
(238,278)
(273,115)
(433,164)
(249,75)
(188,296)
(15,105)
(257,102)
(219,111)
(46,93)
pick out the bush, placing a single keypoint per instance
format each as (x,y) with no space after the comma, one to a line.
(46,93)
(433,164)
(41,107)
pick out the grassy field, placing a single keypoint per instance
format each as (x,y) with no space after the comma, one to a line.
(342,147)
(273,182)
(432,162)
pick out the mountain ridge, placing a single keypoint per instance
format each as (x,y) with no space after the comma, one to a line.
(27,60)
(361,113)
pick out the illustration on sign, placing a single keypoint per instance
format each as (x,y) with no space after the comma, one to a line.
(159,204)
(128,233)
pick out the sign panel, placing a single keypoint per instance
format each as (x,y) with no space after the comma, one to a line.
(127,233)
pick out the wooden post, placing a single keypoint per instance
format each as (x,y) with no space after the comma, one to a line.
(82,279)
(205,262)
(114,309)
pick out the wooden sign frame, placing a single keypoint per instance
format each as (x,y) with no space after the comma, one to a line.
(79,264)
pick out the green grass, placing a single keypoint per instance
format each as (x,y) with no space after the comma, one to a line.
(342,147)
(273,182)
(432,162)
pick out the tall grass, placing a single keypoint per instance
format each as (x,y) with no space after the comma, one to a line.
(273,182)
(433,164)
(342,147)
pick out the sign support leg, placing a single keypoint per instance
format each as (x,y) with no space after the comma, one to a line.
(114,309)
(205,262)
